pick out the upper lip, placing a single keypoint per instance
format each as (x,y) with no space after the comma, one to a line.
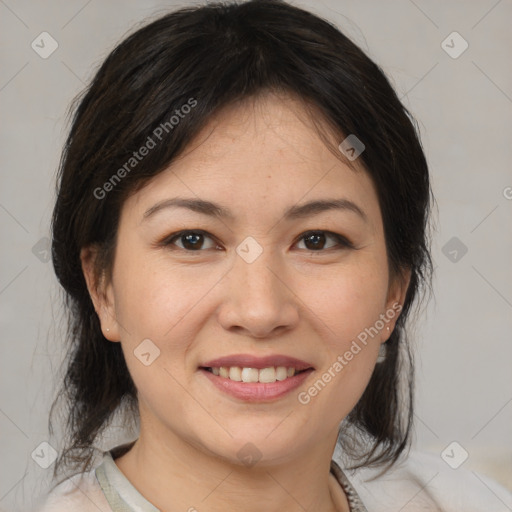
(249,361)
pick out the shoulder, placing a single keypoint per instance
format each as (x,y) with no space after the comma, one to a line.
(79,493)
(424,482)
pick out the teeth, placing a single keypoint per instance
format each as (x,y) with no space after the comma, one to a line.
(265,375)
(250,375)
(235,373)
(281,373)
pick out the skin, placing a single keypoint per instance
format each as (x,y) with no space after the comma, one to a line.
(203,304)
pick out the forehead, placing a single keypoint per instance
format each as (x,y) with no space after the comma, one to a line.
(262,155)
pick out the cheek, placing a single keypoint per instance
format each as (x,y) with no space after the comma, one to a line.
(154,298)
(345,306)
(346,301)
(351,305)
(155,302)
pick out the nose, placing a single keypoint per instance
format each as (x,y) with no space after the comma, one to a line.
(258,298)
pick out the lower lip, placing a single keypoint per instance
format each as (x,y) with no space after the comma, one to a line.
(257,391)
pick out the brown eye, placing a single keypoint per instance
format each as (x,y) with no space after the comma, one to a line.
(316,240)
(191,241)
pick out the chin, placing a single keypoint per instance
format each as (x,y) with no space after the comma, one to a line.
(266,447)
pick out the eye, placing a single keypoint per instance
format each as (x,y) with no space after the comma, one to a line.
(315,240)
(191,240)
(194,241)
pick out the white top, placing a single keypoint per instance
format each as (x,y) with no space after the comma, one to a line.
(423,482)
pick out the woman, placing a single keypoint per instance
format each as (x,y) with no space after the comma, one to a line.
(242,229)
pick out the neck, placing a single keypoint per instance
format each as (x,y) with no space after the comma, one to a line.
(178,477)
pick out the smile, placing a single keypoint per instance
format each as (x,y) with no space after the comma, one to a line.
(256,379)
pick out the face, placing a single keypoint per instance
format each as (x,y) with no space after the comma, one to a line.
(200,297)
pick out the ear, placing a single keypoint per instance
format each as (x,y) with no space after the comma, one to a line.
(395,300)
(101,293)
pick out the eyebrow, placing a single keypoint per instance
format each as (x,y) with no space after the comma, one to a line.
(294,212)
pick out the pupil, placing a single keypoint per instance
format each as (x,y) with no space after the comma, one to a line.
(316,238)
(191,239)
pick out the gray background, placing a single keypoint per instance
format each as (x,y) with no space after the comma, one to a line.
(464,105)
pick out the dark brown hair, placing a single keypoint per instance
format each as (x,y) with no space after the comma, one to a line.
(216,55)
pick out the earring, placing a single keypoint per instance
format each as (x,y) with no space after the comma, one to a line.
(382,353)
(382,350)
(107,329)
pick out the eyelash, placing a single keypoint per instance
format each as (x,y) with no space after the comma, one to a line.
(342,242)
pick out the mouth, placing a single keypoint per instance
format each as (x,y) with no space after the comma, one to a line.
(256,379)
